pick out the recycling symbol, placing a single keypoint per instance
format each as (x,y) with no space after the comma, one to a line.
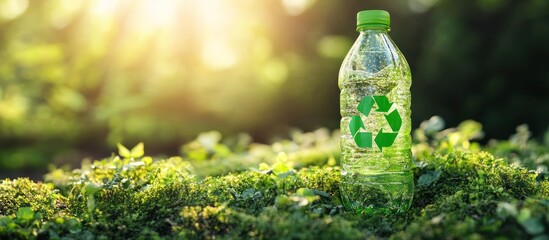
(363,139)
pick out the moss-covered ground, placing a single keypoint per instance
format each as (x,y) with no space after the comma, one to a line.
(234,189)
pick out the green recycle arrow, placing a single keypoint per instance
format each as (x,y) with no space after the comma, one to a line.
(394,120)
(365,106)
(363,139)
(383,139)
(383,104)
(355,125)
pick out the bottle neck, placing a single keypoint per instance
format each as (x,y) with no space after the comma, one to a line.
(373,29)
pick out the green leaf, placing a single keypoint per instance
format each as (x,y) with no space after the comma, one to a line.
(322,193)
(533,226)
(138,151)
(282,201)
(26,214)
(209,139)
(123,151)
(471,129)
(248,193)
(305,192)
(90,189)
(91,203)
(282,157)
(222,150)
(434,124)
(428,178)
(264,166)
(73,225)
(331,161)
(505,209)
(198,154)
(4,220)
(280,168)
(524,215)
(147,160)
(285,174)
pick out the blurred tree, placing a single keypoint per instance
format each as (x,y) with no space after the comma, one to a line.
(77,77)
(487,60)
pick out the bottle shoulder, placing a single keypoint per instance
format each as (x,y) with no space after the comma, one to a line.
(374,56)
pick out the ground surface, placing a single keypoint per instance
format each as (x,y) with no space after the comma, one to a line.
(234,189)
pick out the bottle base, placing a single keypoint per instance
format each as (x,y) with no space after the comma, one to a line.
(377,193)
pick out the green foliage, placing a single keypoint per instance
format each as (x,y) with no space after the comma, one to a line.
(287,190)
(22,193)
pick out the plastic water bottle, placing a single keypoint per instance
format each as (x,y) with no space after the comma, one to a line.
(375,104)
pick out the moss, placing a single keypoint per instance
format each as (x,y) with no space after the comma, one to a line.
(19,193)
(462,190)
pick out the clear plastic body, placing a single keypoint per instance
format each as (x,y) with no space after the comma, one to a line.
(376,179)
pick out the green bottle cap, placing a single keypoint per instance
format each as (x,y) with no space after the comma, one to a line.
(373,18)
